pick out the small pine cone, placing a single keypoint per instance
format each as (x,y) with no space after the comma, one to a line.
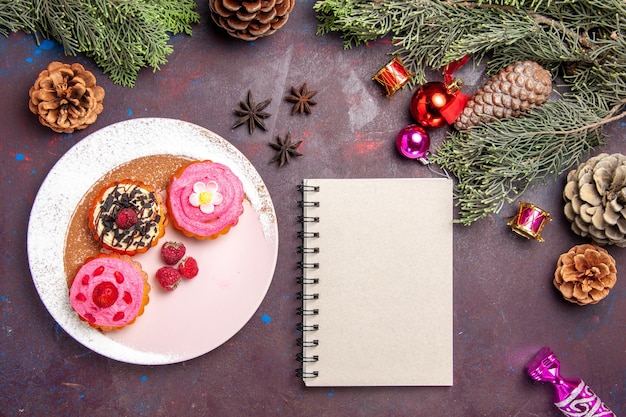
(512,91)
(66,97)
(585,274)
(595,199)
(250,19)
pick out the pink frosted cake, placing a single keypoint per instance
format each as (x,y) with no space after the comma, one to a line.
(109,291)
(204,199)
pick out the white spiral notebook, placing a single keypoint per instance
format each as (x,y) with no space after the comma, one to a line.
(376,282)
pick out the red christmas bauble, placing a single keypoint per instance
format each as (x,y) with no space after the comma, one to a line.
(427,103)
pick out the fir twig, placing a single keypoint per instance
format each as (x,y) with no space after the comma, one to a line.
(122,36)
(70,22)
(134,38)
(581,42)
(177,16)
(496,162)
(15,16)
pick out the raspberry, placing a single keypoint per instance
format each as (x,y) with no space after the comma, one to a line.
(127,297)
(119,277)
(168,277)
(126,218)
(188,268)
(105,294)
(172,252)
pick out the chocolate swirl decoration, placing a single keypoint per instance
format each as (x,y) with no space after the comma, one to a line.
(137,237)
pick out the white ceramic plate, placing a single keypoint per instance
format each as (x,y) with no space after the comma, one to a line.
(201,314)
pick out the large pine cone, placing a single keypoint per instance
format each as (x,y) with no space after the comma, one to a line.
(512,91)
(585,274)
(595,199)
(66,97)
(250,19)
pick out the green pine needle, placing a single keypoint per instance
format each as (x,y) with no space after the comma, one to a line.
(15,16)
(581,42)
(122,36)
(496,162)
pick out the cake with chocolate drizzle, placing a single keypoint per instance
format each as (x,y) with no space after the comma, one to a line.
(128,217)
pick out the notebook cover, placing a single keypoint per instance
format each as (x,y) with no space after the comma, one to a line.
(381,313)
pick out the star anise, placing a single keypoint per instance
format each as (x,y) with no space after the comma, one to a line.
(285,150)
(302,99)
(252,113)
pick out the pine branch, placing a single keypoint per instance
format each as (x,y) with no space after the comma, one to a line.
(518,4)
(177,17)
(48,12)
(495,163)
(15,16)
(122,36)
(359,21)
(579,41)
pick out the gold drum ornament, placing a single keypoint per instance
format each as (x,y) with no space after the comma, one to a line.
(530,221)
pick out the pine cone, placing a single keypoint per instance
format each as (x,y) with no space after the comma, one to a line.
(250,19)
(512,91)
(66,97)
(585,274)
(595,199)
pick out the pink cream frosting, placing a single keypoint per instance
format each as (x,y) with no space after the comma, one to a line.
(128,281)
(224,205)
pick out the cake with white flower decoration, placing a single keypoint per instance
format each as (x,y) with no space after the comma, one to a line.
(205,199)
(109,291)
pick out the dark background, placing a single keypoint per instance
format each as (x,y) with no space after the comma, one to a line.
(505,308)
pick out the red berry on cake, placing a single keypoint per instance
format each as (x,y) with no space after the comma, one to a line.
(188,268)
(172,252)
(105,294)
(126,218)
(168,277)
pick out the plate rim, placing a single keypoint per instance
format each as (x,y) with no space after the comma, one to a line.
(194,137)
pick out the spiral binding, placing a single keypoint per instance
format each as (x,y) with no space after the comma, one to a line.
(308,219)
(306,282)
(302,296)
(303,249)
(304,188)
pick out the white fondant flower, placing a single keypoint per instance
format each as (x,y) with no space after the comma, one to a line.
(205,196)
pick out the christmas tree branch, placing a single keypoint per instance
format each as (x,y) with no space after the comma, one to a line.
(122,36)
(580,42)
(615,114)
(15,16)
(496,162)
(539,18)
(543,20)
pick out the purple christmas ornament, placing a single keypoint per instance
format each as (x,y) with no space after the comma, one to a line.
(572,396)
(413,142)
